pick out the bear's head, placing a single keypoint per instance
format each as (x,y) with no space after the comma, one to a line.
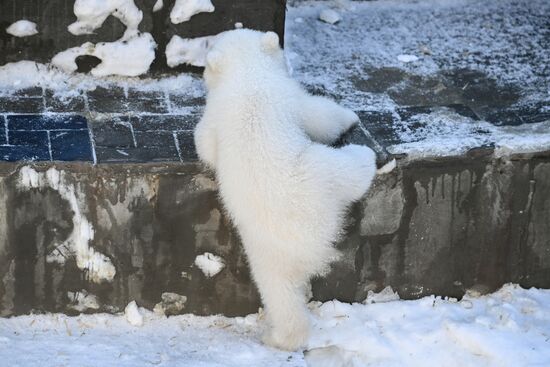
(243,50)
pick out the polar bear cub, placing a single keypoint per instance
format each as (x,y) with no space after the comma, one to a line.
(285,191)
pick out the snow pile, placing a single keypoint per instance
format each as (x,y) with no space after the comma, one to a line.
(22,28)
(132,55)
(183,10)
(133,315)
(97,266)
(190,51)
(92,13)
(209,264)
(507,328)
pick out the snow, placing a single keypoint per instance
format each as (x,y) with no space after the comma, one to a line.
(133,314)
(129,56)
(190,51)
(387,168)
(22,28)
(209,264)
(183,10)
(510,327)
(97,266)
(158,6)
(446,133)
(26,74)
(92,13)
(329,16)
(83,301)
(407,58)
(491,37)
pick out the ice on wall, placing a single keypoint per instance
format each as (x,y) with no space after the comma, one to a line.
(132,55)
(22,28)
(183,10)
(209,264)
(158,6)
(92,13)
(190,51)
(98,266)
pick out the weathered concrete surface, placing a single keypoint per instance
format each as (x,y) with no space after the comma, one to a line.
(440,227)
(54,16)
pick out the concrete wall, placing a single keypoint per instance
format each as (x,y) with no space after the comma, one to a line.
(132,232)
(54,16)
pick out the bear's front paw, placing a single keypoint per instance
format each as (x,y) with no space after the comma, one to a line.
(349,120)
(290,337)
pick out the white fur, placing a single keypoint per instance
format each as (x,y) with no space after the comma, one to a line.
(285,191)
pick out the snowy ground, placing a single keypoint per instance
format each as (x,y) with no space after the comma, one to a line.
(508,328)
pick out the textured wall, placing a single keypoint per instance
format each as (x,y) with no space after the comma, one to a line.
(430,227)
(53,17)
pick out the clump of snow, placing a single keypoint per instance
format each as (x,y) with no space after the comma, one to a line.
(22,28)
(158,6)
(507,328)
(386,295)
(387,168)
(190,51)
(133,315)
(130,57)
(171,304)
(209,264)
(98,266)
(92,13)
(82,301)
(407,58)
(183,10)
(329,16)
(238,25)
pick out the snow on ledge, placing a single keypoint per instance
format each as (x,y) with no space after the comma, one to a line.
(22,28)
(26,74)
(183,10)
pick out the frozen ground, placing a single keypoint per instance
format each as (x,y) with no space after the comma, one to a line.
(492,56)
(507,40)
(508,328)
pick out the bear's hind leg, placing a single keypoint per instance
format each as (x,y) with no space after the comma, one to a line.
(282,289)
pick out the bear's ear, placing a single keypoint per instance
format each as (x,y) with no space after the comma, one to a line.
(270,42)
(214,60)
